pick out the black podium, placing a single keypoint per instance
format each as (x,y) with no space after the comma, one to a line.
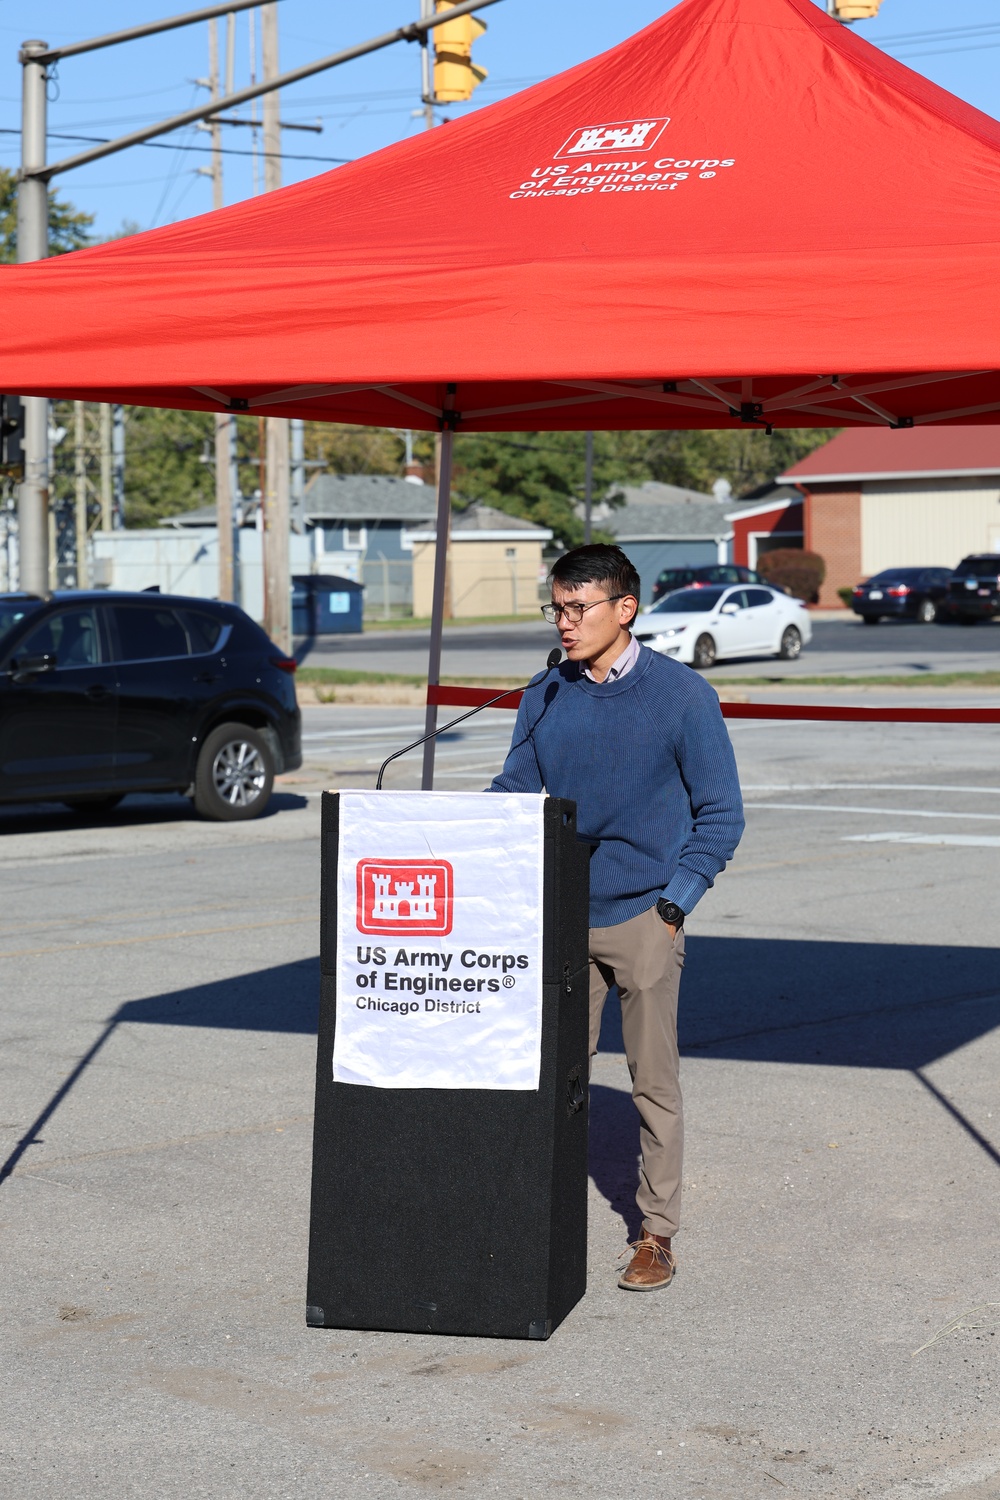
(459,1211)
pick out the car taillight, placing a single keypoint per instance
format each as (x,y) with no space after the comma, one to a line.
(858,588)
(283,663)
(899,592)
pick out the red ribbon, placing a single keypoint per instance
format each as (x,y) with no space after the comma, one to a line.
(471,697)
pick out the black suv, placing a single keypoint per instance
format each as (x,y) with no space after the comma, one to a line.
(974,589)
(105,693)
(688,578)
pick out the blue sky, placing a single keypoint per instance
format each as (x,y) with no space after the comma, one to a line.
(368,103)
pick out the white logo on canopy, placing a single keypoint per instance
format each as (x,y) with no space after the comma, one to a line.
(439,940)
(627,135)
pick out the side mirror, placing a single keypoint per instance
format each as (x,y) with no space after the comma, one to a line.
(730,609)
(23,668)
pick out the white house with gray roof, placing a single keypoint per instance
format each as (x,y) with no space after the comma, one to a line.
(664,526)
(359,525)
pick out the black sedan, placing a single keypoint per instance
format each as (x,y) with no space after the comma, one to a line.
(901,593)
(105,693)
(701,577)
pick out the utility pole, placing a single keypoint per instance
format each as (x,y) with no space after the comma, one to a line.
(223,421)
(297,438)
(80,479)
(277,496)
(426,76)
(588,487)
(33,244)
(118,466)
(107,492)
(234,490)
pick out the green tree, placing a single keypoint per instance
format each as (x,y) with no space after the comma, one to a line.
(354,450)
(537,476)
(169,463)
(746,456)
(69,227)
(540,476)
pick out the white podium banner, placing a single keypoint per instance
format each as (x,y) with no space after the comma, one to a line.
(439,940)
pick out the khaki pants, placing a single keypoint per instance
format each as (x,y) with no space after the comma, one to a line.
(639,957)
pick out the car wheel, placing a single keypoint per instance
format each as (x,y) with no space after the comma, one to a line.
(926,612)
(94,806)
(791,644)
(871,619)
(235,774)
(704,652)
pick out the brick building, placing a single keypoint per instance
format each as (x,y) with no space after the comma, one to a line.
(876,498)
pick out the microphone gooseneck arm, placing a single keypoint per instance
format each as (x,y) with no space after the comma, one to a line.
(553,660)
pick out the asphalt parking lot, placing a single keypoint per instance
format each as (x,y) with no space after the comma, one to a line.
(832,1330)
(839,646)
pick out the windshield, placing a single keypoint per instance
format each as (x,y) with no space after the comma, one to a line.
(13,611)
(888,575)
(688,602)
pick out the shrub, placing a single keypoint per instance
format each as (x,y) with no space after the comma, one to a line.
(801,573)
(846,596)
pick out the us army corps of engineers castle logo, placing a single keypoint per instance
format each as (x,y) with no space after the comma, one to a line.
(628,135)
(404,896)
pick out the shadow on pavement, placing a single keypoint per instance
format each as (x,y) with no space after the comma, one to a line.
(614,1152)
(285,998)
(860,1005)
(845,1005)
(137,809)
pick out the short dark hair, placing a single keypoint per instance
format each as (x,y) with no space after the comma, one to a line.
(597,563)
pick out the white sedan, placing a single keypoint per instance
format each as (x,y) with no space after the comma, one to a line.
(704,625)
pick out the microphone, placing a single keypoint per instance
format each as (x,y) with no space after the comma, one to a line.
(552,660)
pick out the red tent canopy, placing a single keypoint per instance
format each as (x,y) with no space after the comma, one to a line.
(743,213)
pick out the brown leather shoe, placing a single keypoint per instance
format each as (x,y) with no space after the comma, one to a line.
(652,1266)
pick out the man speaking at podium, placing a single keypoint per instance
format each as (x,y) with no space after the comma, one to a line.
(639,743)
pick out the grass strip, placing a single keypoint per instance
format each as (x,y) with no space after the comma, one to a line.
(342,677)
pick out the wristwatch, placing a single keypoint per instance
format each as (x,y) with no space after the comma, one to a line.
(670,912)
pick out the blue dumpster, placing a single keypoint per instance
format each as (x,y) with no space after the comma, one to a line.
(322,605)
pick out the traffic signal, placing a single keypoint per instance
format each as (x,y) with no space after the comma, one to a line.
(455,74)
(11,436)
(854,10)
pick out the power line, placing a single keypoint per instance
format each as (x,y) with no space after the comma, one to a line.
(301,103)
(942,33)
(203,150)
(969,39)
(947,51)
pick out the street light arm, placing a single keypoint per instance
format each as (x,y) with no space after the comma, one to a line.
(412,32)
(133,33)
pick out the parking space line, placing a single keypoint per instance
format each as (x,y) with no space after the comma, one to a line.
(865,786)
(959,840)
(881,812)
(159,937)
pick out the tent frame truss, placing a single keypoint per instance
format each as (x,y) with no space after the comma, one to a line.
(723,396)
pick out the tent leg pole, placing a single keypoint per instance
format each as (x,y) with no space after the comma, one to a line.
(442,531)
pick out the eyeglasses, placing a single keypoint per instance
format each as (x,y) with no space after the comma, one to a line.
(575,612)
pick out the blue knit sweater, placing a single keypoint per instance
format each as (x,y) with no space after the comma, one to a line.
(649,764)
